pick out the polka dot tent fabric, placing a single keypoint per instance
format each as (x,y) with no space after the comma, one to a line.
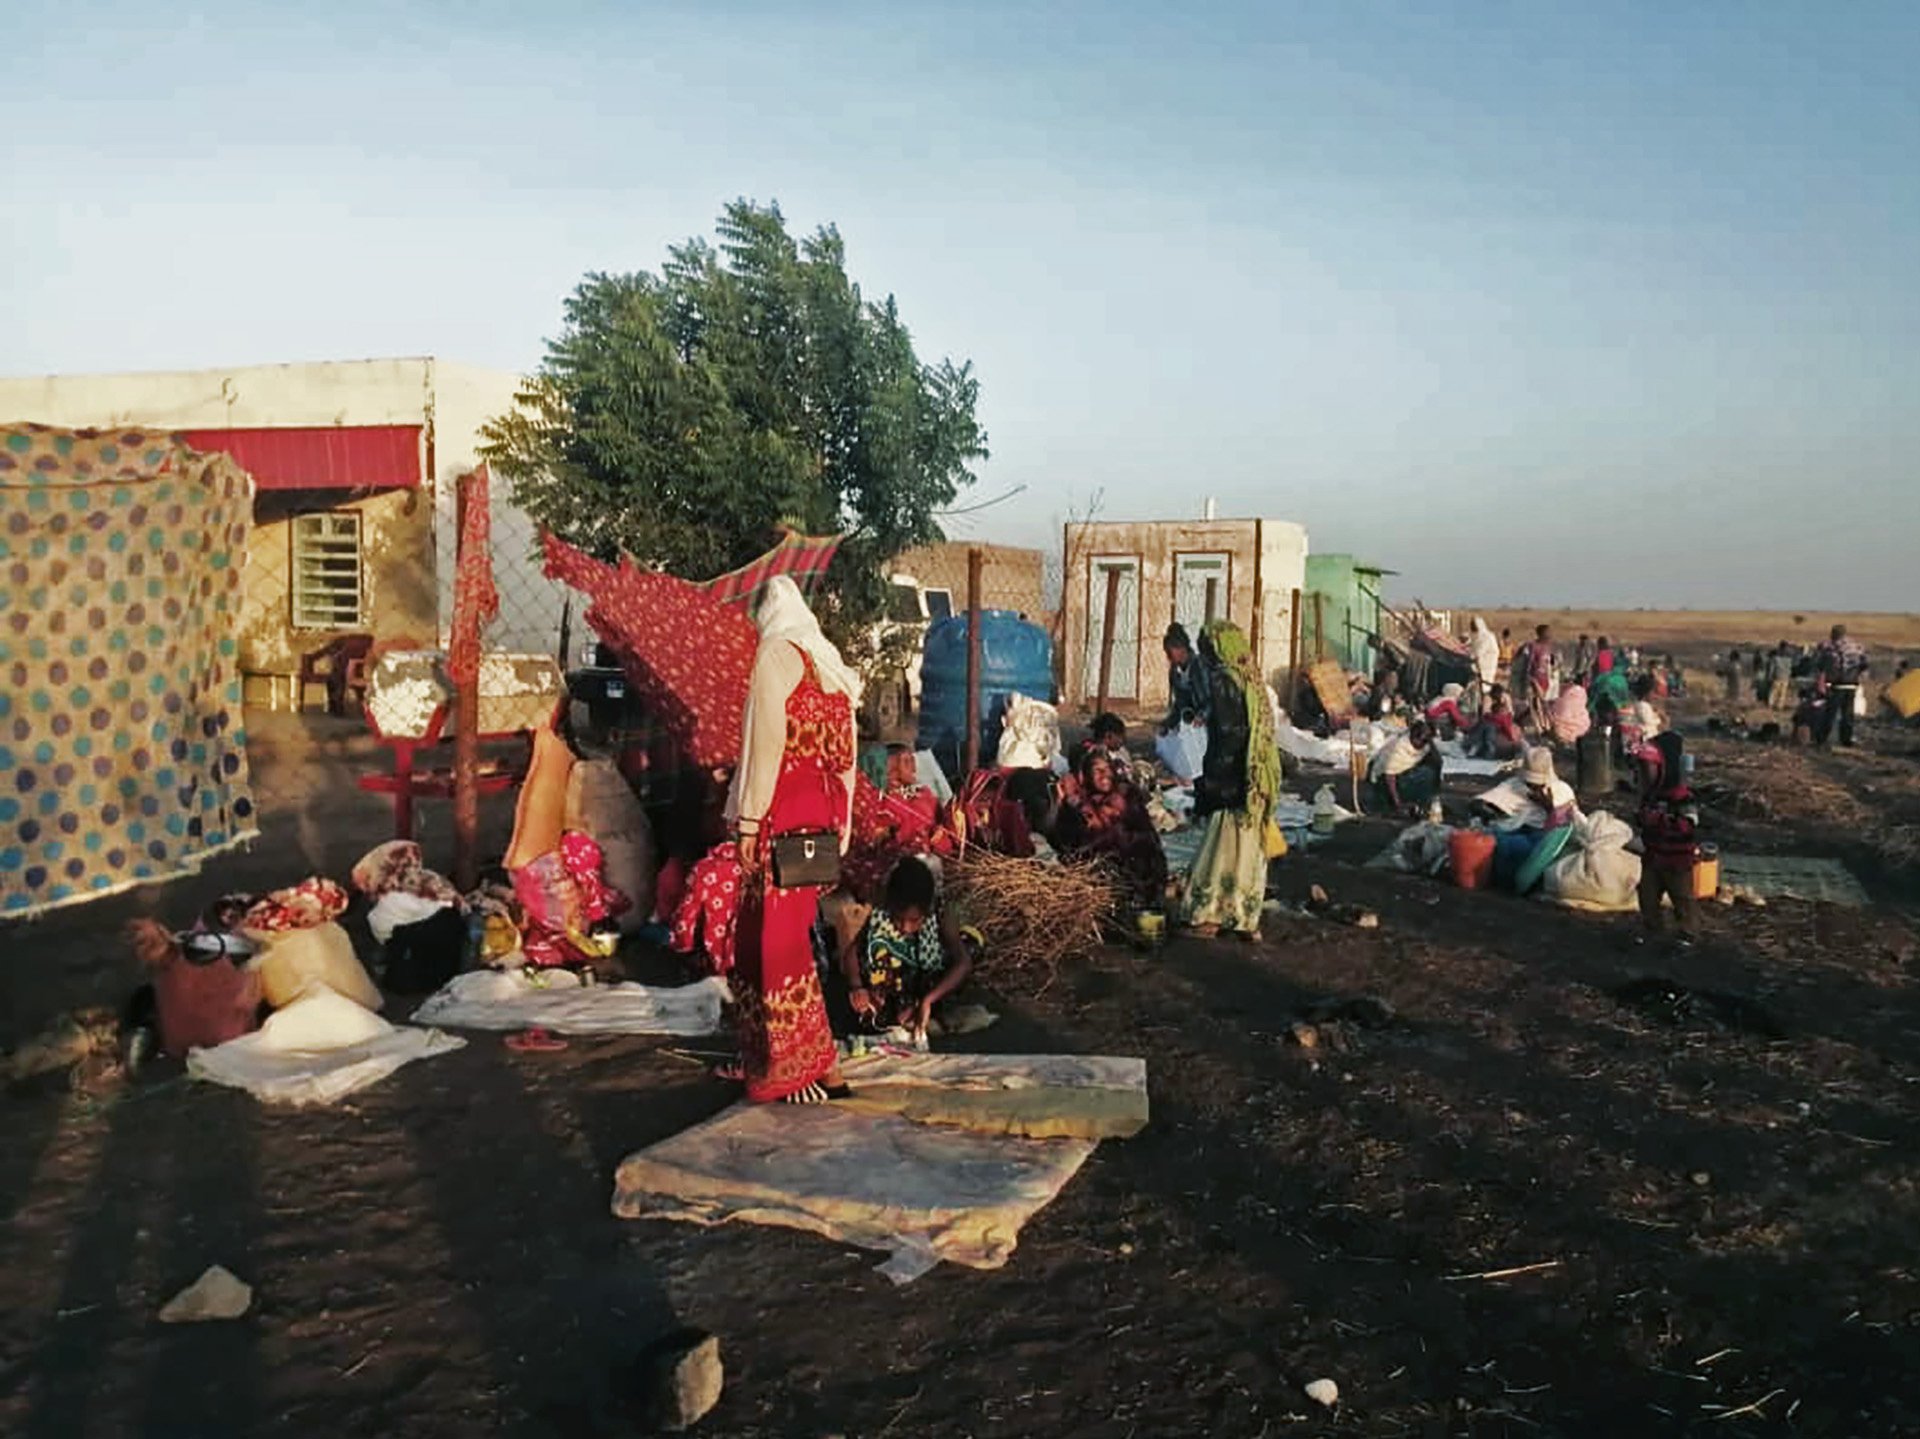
(122,747)
(687,653)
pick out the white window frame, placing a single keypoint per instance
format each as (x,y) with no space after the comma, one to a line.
(318,541)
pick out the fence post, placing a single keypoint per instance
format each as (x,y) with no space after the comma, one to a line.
(1106,637)
(974,561)
(1293,656)
(466,725)
(1319,626)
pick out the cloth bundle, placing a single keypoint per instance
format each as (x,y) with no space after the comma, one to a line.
(570,909)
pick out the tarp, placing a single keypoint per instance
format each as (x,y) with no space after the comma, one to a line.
(122,744)
(317,1050)
(688,655)
(804,557)
(486,999)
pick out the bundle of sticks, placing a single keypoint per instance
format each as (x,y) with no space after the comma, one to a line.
(1033,916)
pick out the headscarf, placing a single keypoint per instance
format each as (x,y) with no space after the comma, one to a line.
(1567,716)
(783,616)
(396,868)
(784,619)
(1231,650)
(1486,652)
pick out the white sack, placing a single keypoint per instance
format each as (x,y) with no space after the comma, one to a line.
(1183,750)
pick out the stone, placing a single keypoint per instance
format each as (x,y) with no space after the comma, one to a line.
(214,1295)
(677,1379)
(1324,1391)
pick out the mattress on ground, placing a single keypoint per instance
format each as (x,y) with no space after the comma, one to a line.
(922,1193)
(1038,1096)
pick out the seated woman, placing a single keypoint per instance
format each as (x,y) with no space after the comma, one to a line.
(1497,734)
(905,789)
(904,960)
(1405,776)
(1109,739)
(1550,806)
(1445,714)
(1568,717)
(1106,819)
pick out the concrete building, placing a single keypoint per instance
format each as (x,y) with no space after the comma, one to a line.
(1160,571)
(1011,578)
(355,464)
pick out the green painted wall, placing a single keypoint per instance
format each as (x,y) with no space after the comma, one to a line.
(1348,593)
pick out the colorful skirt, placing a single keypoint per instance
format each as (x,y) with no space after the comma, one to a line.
(1227,885)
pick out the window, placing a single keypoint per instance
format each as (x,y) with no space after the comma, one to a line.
(940,604)
(329,592)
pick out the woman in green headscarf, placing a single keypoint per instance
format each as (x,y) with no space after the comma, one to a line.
(1235,792)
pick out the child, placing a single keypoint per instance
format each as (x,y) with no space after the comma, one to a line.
(1669,825)
(906,958)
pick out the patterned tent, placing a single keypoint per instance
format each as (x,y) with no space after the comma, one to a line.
(122,745)
(689,654)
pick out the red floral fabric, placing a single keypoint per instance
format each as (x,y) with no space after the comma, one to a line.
(709,911)
(302,906)
(475,598)
(688,655)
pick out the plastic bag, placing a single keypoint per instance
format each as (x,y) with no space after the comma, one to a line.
(1182,750)
(1029,736)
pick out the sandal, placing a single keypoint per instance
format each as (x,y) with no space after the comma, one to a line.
(535,1041)
(732,1070)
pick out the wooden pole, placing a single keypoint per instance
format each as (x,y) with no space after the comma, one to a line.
(974,562)
(1112,614)
(466,729)
(1293,656)
(1319,627)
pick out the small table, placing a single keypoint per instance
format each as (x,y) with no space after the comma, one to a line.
(410,699)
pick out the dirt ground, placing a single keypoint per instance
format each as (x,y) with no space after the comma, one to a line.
(1712,1217)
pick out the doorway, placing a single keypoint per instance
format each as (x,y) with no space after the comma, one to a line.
(1200,584)
(1123,673)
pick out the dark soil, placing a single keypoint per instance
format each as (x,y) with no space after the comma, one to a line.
(1711,1218)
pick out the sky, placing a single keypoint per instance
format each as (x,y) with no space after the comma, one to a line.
(1588,303)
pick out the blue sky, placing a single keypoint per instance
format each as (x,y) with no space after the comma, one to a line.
(1549,303)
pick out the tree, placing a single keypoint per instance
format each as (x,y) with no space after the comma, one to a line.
(684,417)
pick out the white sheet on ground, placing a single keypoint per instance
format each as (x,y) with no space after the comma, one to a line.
(496,999)
(920,1192)
(316,1050)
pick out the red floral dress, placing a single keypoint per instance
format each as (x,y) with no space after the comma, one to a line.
(786,1042)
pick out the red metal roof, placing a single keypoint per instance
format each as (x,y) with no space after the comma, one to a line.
(320,457)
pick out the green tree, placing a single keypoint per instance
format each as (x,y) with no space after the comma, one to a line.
(685,416)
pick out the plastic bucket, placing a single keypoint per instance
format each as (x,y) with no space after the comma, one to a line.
(1470,852)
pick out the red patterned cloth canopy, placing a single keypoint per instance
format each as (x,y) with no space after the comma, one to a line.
(687,653)
(804,557)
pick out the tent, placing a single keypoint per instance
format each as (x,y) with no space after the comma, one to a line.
(122,744)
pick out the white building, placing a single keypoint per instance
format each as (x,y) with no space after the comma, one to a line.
(1160,571)
(355,464)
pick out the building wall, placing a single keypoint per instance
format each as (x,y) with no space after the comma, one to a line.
(1011,578)
(396,545)
(408,538)
(1267,562)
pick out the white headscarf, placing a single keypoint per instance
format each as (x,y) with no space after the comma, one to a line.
(783,617)
(1486,652)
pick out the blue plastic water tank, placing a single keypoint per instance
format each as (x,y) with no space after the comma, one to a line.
(1016,657)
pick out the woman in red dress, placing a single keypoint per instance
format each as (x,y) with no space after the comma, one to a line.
(796,774)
